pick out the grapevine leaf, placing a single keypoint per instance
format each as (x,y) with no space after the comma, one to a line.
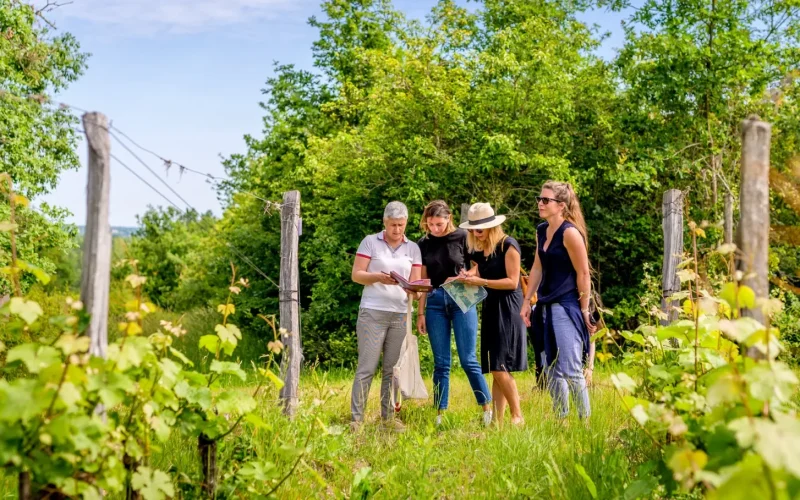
(747,297)
(28,310)
(210,343)
(623,382)
(71,344)
(35,357)
(227,367)
(152,484)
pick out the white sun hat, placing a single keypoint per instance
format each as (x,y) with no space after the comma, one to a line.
(481,216)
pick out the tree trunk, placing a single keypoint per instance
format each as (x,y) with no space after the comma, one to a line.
(208,457)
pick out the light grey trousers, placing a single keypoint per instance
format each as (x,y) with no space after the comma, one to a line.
(379,332)
(565,373)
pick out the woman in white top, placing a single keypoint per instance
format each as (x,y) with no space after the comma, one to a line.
(381,324)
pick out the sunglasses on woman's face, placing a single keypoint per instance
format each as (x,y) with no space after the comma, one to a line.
(544,200)
(478,231)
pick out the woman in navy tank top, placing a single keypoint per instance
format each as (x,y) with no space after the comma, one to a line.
(561,318)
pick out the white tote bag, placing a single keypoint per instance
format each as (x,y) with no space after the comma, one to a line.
(406,376)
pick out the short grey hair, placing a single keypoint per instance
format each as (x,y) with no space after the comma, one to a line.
(395,210)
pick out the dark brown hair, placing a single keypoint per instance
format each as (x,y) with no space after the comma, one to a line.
(436,208)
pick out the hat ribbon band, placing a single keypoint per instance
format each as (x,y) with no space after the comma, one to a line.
(481,221)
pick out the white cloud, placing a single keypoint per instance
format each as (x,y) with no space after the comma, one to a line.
(179,16)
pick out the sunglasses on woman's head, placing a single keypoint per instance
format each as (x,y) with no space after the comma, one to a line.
(479,231)
(544,200)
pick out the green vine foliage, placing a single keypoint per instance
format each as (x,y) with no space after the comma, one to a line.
(75,424)
(711,393)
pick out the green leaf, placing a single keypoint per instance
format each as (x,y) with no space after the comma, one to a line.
(28,310)
(623,382)
(227,367)
(640,489)
(180,355)
(35,357)
(41,276)
(229,335)
(70,395)
(728,294)
(22,400)
(587,480)
(152,484)
(235,402)
(277,382)
(210,343)
(72,344)
(636,338)
(747,297)
(131,353)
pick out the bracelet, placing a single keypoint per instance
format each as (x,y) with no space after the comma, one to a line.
(486,282)
(585,311)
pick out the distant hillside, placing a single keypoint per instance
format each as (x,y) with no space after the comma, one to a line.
(121,231)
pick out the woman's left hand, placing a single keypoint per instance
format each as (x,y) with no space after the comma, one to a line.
(473,280)
(587,318)
(587,374)
(413,295)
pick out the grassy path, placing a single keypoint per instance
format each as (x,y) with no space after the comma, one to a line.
(460,459)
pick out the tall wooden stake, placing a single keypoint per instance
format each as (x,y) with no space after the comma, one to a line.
(728,224)
(464,212)
(753,230)
(96,271)
(672,225)
(290,301)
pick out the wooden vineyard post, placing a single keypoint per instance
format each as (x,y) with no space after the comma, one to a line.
(96,270)
(728,224)
(672,225)
(753,231)
(290,301)
(464,212)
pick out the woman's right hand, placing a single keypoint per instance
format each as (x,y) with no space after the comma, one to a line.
(385,279)
(525,313)
(421,326)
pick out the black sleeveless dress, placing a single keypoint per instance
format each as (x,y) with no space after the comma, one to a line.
(503,333)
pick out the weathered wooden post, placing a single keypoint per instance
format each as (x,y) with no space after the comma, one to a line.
(728,224)
(672,226)
(96,271)
(289,296)
(753,231)
(464,212)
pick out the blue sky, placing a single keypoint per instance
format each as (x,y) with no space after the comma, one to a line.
(184,78)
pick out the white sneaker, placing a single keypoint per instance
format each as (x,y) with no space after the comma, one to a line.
(438,420)
(487,418)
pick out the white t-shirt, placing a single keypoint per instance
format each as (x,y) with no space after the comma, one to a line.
(382,258)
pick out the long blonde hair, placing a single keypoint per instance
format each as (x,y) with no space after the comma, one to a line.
(494,235)
(572,210)
(436,208)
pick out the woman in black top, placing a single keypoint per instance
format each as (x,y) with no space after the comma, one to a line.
(444,256)
(503,333)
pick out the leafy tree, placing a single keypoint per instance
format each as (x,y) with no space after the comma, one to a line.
(37,141)
(163,242)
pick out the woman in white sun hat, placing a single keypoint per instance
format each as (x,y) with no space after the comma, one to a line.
(496,259)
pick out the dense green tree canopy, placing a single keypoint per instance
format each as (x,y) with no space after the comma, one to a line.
(37,139)
(485,104)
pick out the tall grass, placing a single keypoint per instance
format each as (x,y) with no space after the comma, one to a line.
(459,459)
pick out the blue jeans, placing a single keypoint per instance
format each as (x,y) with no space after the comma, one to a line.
(441,313)
(565,373)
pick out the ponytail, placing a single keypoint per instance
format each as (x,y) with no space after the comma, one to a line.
(572,210)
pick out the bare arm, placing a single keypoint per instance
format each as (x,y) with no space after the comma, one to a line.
(576,249)
(534,279)
(533,285)
(512,272)
(363,277)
